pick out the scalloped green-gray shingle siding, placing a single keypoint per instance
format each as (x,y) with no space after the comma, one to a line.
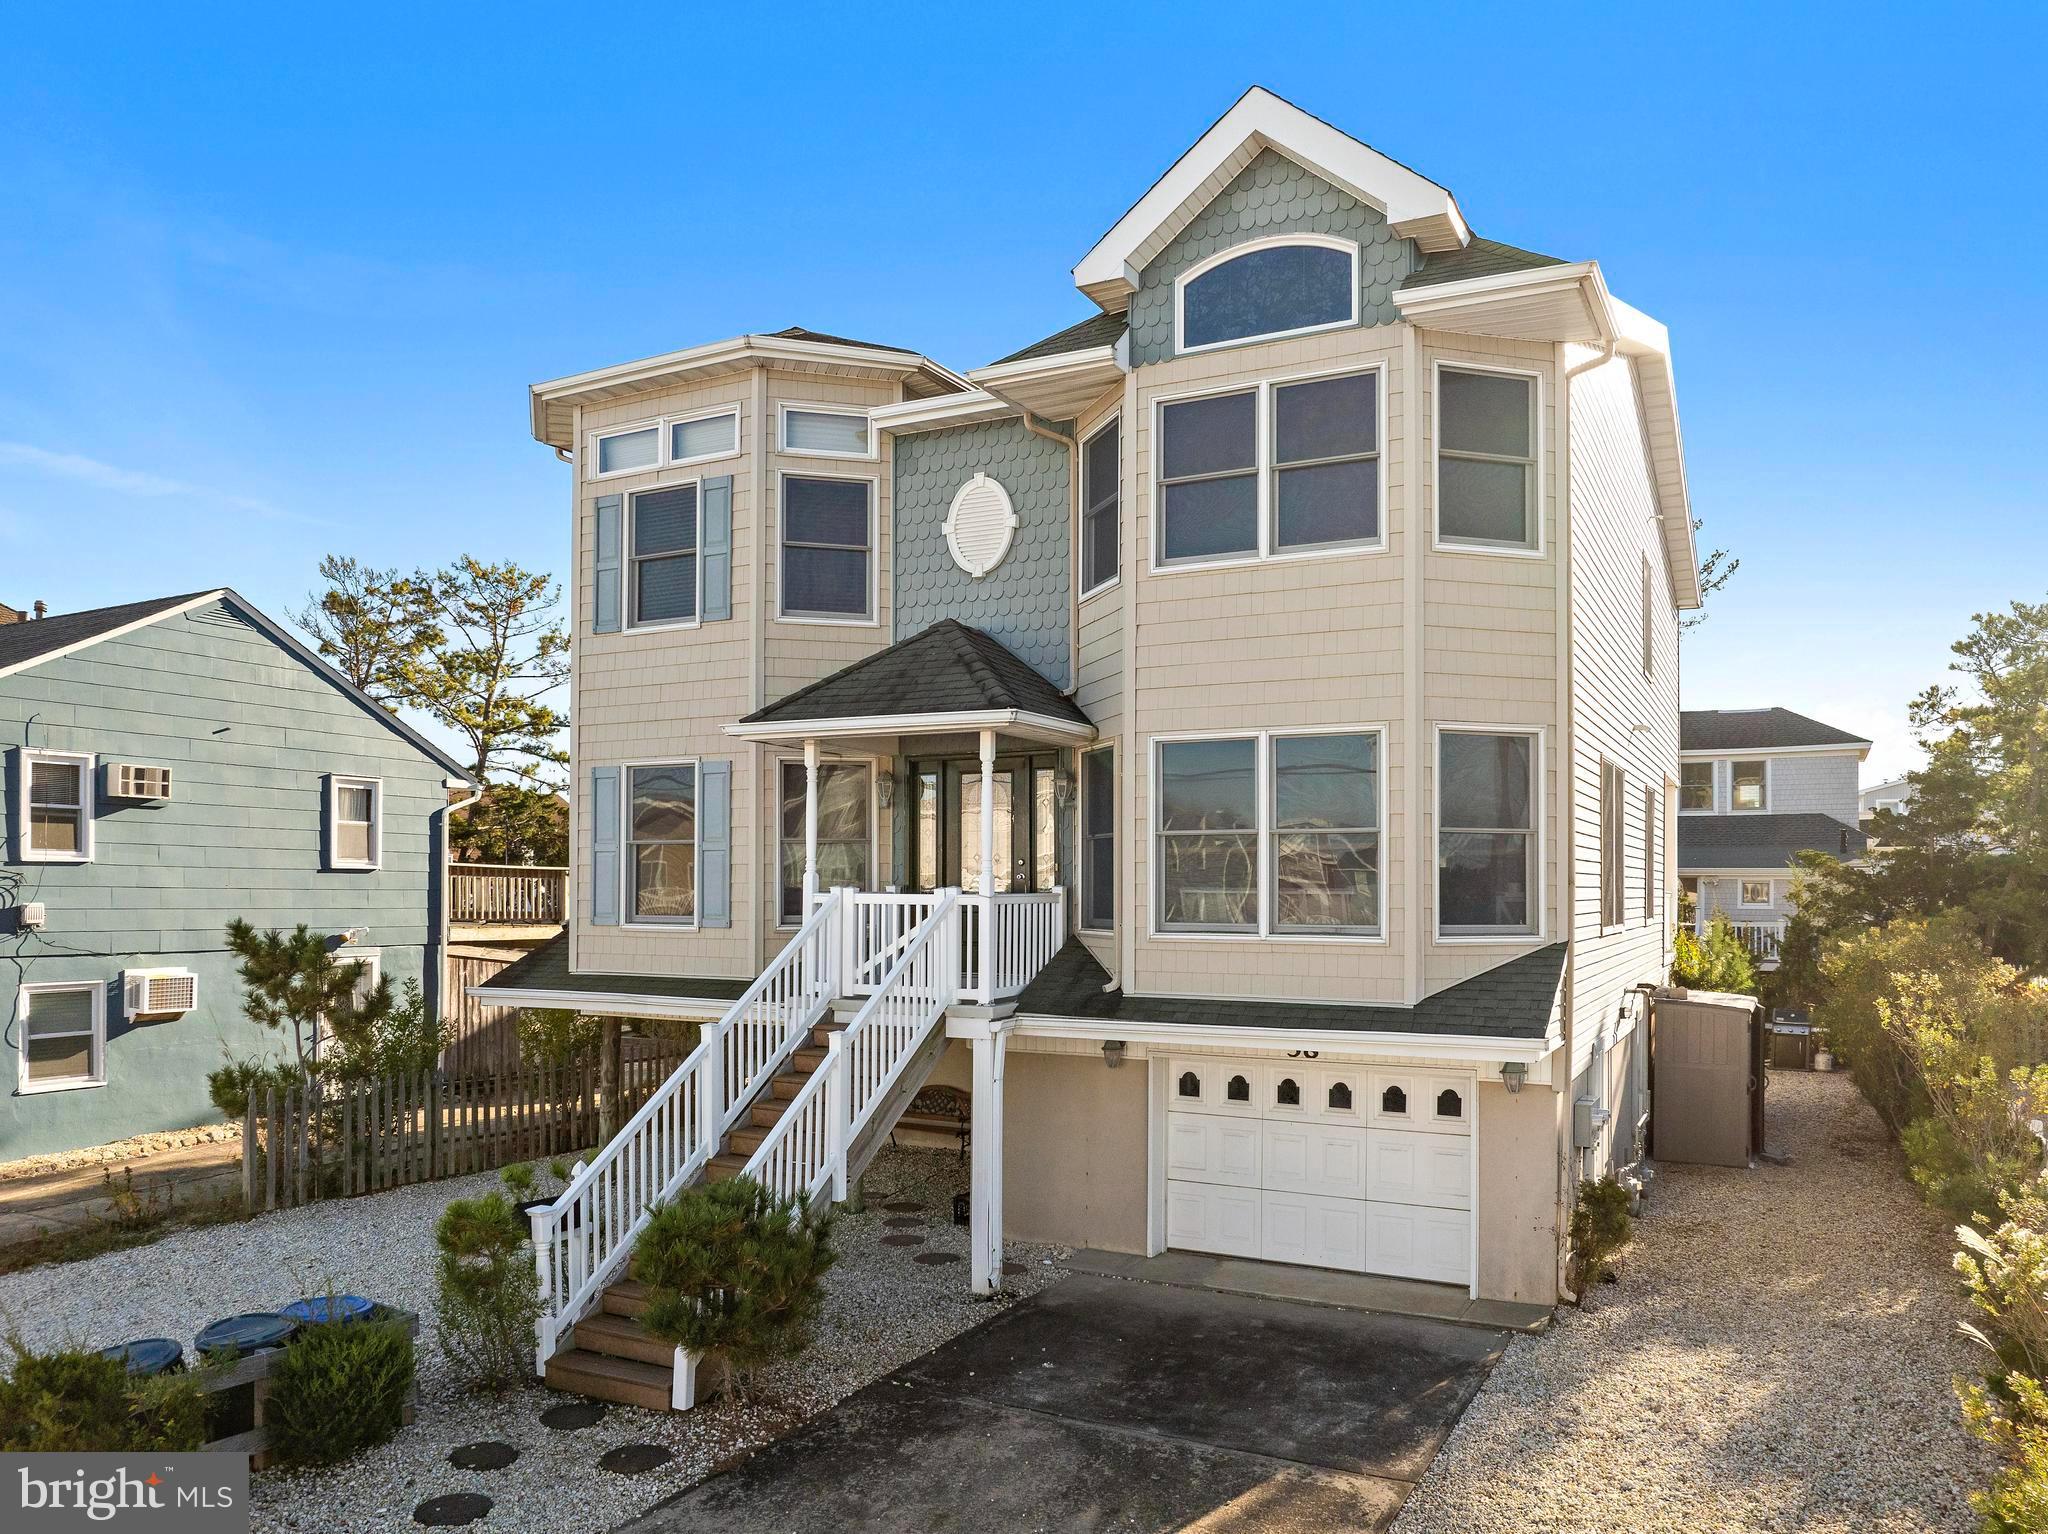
(1023,601)
(1270,196)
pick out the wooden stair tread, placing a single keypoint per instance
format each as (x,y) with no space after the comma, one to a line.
(605,1378)
(617,1336)
(628,1297)
(721,1167)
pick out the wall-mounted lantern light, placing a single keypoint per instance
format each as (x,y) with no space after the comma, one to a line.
(1112,1053)
(1511,1075)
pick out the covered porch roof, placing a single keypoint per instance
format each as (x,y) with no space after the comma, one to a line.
(948,678)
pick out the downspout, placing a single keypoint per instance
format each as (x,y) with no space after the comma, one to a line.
(447,897)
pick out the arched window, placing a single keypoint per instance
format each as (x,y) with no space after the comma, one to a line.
(1449,1105)
(1190,1084)
(1394,1100)
(1288,1095)
(1277,287)
(1340,1097)
(1239,1090)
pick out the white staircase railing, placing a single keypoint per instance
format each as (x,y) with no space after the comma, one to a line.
(582,1241)
(807,1149)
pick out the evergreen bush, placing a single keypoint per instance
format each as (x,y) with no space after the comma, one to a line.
(1718,962)
(70,1401)
(488,1295)
(340,1388)
(1600,1227)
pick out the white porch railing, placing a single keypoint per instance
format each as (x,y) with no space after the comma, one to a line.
(1761,938)
(806,1150)
(1005,940)
(582,1241)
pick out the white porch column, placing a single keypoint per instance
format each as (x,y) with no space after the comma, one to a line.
(988,816)
(810,828)
(985,1195)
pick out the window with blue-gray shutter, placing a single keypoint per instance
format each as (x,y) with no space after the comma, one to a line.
(715,548)
(714,844)
(604,846)
(664,559)
(605,573)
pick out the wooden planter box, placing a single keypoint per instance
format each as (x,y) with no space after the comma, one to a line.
(255,1371)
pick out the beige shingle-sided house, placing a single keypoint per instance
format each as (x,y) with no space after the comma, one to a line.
(1235,739)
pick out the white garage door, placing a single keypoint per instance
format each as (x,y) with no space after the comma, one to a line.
(1330,1165)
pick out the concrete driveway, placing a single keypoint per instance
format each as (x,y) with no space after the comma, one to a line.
(1102,1404)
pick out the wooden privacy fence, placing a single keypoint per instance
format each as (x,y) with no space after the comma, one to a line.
(339,1139)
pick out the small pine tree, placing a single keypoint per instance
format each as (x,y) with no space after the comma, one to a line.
(295,980)
(737,1274)
(488,1295)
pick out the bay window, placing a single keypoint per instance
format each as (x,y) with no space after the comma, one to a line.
(1486,459)
(1487,797)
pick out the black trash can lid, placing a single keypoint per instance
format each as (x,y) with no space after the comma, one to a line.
(148,1355)
(327,1307)
(251,1333)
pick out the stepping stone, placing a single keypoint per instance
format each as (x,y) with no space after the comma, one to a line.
(488,1455)
(1014,1268)
(452,1510)
(903,1238)
(635,1458)
(936,1259)
(904,1222)
(571,1415)
(904,1206)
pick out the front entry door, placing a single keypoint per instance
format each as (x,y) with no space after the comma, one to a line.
(947,826)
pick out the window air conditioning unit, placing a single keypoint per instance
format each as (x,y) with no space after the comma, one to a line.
(158,992)
(133,780)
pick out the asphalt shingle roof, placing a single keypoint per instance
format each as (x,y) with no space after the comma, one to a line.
(1481,258)
(1762,841)
(949,668)
(798,333)
(42,636)
(547,969)
(1510,1001)
(1756,729)
(1084,335)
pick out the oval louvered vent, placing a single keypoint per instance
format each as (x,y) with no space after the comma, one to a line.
(980,525)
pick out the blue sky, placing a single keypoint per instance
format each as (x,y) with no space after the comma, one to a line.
(272,286)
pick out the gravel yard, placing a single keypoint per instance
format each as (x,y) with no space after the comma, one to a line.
(883,1309)
(1776,1356)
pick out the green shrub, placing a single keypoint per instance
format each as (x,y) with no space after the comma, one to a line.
(518,1179)
(403,1041)
(72,1401)
(737,1274)
(488,1297)
(1600,1227)
(555,1035)
(232,1086)
(2005,1272)
(339,1389)
(1717,963)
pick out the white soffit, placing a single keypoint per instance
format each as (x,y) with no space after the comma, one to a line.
(1057,388)
(940,412)
(1417,207)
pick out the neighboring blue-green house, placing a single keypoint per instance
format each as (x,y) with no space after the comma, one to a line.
(170,765)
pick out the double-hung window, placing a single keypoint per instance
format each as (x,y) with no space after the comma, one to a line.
(1748,785)
(664,555)
(1612,861)
(661,843)
(53,806)
(1696,785)
(1286,467)
(1486,459)
(1100,468)
(827,538)
(355,822)
(1755,893)
(823,433)
(844,836)
(63,1031)
(1275,834)
(1487,798)
(1098,838)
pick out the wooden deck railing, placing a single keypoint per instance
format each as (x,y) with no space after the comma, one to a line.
(506,895)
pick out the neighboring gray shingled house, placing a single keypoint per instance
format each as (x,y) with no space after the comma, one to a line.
(1756,787)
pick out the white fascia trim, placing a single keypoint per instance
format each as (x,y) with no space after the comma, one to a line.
(1839,748)
(1083,363)
(915,724)
(941,411)
(1464,1049)
(115,633)
(608,1002)
(1417,207)
(1420,300)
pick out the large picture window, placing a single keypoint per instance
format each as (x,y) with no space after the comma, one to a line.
(63,1030)
(845,838)
(664,543)
(1326,854)
(1099,509)
(1209,836)
(827,536)
(1271,288)
(1486,459)
(1098,839)
(661,837)
(53,807)
(1486,834)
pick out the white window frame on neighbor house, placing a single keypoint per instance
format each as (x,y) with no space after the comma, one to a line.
(1111,422)
(24,1003)
(1744,903)
(1264,833)
(663,427)
(874,613)
(783,408)
(372,960)
(1539,833)
(630,602)
(779,763)
(86,765)
(336,782)
(628,921)
(1733,807)
(1263,470)
(1235,252)
(1713,786)
(1534,547)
